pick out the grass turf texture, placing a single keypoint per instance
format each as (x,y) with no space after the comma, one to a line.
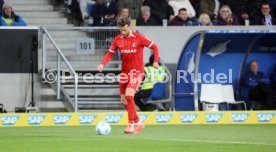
(194,138)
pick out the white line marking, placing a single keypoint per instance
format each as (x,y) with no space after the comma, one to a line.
(126,137)
(212,141)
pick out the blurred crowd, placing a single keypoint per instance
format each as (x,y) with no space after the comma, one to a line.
(172,12)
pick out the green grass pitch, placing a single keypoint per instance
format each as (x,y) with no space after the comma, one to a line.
(156,138)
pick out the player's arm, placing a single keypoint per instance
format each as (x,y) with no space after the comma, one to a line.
(108,56)
(150,44)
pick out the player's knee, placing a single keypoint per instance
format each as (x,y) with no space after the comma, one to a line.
(130,92)
(129,98)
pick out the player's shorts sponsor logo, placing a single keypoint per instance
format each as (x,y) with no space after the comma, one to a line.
(86,119)
(143,117)
(61,119)
(213,118)
(163,118)
(265,117)
(240,117)
(113,118)
(36,119)
(188,118)
(9,120)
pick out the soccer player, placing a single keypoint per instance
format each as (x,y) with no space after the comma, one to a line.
(131,46)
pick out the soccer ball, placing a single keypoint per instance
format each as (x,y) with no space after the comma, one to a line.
(103,128)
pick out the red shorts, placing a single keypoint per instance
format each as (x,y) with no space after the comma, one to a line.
(132,79)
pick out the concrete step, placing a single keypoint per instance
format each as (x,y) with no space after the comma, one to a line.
(75,65)
(96,91)
(33,8)
(97,102)
(82,66)
(76,58)
(52,104)
(39,14)
(37,2)
(51,51)
(54,25)
(67,34)
(100,107)
(43,21)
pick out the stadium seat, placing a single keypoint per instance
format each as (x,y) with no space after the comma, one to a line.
(158,93)
(228,96)
(211,94)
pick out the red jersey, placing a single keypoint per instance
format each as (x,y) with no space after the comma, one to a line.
(132,51)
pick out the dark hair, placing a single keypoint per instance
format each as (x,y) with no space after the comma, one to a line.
(252,61)
(182,9)
(265,3)
(122,21)
(151,60)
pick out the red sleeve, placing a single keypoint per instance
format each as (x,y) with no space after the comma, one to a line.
(110,53)
(149,43)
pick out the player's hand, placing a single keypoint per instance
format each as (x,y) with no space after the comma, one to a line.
(100,67)
(123,100)
(155,65)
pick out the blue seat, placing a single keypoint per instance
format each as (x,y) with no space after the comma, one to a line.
(158,93)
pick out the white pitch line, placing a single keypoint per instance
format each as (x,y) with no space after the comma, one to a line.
(158,139)
(208,141)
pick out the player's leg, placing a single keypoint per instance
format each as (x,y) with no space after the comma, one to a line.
(132,88)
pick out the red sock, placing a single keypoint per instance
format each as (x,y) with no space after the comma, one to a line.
(131,109)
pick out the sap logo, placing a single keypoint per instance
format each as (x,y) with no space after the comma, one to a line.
(213,117)
(143,117)
(240,117)
(36,119)
(87,119)
(163,118)
(113,118)
(265,117)
(61,119)
(9,120)
(188,118)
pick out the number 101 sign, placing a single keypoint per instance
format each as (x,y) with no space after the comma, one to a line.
(85,46)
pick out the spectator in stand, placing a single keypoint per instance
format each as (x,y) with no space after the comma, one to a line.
(160,9)
(260,91)
(1,5)
(226,17)
(124,12)
(205,20)
(182,19)
(134,7)
(195,4)
(86,8)
(210,7)
(104,12)
(272,4)
(76,13)
(244,9)
(265,18)
(9,18)
(146,19)
(177,4)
